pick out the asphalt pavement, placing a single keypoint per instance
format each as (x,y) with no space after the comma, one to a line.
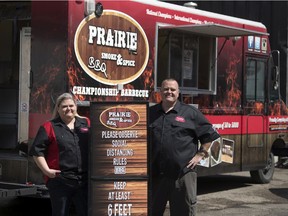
(236,194)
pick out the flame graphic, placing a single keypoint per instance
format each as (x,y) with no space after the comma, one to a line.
(234,94)
(39,95)
(156,97)
(147,75)
(43,93)
(228,98)
(73,72)
(278,108)
(254,108)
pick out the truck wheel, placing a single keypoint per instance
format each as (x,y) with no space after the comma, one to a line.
(265,175)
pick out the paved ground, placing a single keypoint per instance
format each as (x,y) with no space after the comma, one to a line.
(235,194)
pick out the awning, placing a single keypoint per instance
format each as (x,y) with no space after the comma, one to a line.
(215,30)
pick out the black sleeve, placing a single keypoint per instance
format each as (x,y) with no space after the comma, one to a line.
(40,144)
(205,132)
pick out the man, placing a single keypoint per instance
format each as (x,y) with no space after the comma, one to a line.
(175,130)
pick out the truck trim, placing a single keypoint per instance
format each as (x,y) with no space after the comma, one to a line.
(216,30)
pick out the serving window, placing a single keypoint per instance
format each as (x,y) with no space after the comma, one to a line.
(189,58)
(188,53)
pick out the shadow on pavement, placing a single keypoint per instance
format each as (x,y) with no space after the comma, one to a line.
(281,192)
(221,183)
(23,206)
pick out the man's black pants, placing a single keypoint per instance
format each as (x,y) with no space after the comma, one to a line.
(181,194)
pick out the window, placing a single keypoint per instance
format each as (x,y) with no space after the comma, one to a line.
(255,77)
(189,58)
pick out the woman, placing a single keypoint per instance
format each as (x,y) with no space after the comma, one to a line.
(60,150)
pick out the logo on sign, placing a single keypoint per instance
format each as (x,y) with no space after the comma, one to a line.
(257,43)
(264,44)
(119,118)
(250,42)
(112,49)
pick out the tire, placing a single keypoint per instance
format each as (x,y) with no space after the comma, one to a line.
(264,176)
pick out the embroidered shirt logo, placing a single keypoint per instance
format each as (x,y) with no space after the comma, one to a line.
(84,130)
(180,119)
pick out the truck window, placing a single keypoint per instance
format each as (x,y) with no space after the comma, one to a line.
(255,76)
(188,58)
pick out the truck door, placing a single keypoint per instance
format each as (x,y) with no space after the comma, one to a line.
(254,151)
(24,83)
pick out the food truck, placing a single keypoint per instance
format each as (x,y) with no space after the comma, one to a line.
(112,56)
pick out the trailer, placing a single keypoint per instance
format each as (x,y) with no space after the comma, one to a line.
(120,51)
